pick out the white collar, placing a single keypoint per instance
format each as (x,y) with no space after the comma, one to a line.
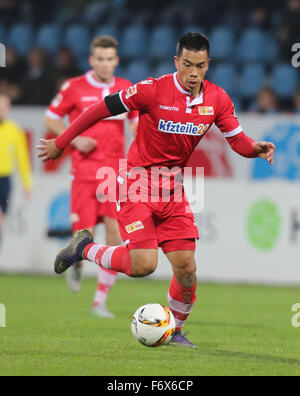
(178,86)
(92,81)
(197,100)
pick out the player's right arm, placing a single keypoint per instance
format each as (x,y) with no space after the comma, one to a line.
(137,97)
(241,143)
(62,105)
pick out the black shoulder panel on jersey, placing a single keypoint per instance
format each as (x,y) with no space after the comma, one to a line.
(114,104)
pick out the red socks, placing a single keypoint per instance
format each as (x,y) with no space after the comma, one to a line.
(116,258)
(181,302)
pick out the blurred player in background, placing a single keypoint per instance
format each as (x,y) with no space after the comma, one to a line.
(176,111)
(99,146)
(13,146)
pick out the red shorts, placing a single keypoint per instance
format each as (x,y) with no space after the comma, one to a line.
(86,210)
(150,225)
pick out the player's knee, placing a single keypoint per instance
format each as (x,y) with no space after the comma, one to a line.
(187,264)
(143,267)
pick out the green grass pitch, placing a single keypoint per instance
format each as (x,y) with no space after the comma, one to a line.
(240,330)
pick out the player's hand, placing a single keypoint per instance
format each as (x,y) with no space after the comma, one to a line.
(84,144)
(265,150)
(48,150)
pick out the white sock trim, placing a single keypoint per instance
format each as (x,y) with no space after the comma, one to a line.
(179,323)
(106,278)
(179,306)
(106,259)
(93,253)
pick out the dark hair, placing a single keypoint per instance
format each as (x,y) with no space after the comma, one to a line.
(104,42)
(193,42)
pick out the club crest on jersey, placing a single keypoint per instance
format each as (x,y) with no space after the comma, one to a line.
(182,129)
(131,91)
(205,110)
(138,225)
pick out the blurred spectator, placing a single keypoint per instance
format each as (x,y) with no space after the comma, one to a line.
(39,12)
(289,32)
(297,102)
(39,81)
(11,76)
(65,66)
(77,5)
(9,11)
(14,69)
(13,91)
(266,102)
(260,18)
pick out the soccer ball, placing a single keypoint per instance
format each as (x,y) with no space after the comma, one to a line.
(153,325)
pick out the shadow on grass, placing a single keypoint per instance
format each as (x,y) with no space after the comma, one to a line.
(248,356)
(222,324)
(210,351)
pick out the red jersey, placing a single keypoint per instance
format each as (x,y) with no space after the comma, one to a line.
(75,96)
(172,122)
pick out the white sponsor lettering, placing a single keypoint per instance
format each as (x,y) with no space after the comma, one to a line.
(182,129)
(169,108)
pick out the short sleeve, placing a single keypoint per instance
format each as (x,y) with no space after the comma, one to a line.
(62,104)
(226,119)
(139,96)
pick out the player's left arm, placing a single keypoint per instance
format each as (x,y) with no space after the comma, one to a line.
(231,129)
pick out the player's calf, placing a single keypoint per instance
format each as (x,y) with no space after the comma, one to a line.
(143,262)
(182,291)
(136,263)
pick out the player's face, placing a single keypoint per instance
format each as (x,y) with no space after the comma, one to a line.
(104,62)
(4,107)
(192,67)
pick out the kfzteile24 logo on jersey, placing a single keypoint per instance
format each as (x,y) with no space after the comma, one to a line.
(182,129)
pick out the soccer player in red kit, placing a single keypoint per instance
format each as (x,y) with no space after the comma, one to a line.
(176,111)
(101,145)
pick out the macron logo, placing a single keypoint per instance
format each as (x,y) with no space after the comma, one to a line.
(182,129)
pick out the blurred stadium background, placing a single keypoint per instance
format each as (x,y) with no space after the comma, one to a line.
(250,44)
(252,212)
